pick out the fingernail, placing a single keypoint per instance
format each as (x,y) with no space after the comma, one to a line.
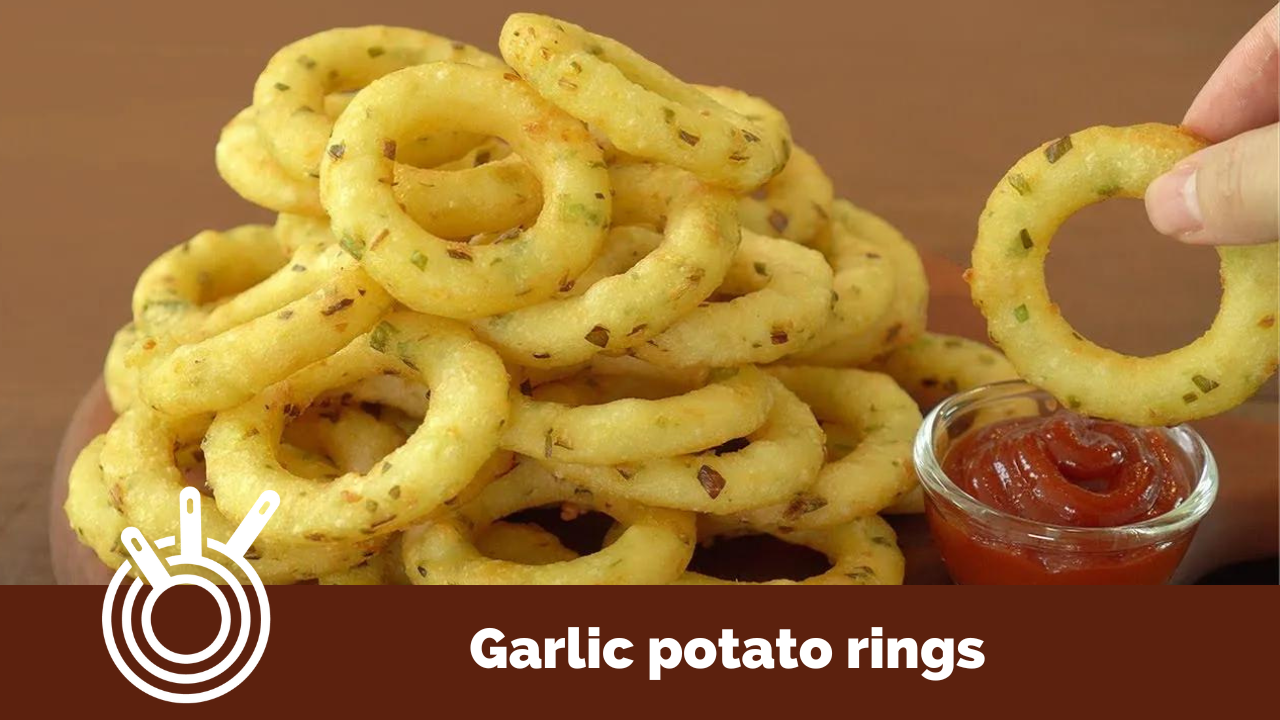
(1172,204)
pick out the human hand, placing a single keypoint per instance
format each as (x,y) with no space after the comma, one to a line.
(1226,194)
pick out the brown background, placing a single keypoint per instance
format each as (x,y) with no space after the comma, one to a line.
(360,652)
(915,109)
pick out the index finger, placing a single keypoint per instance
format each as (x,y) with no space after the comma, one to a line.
(1242,94)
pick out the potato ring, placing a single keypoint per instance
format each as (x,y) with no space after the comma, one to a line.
(197,359)
(874,473)
(630,430)
(407,395)
(490,196)
(644,110)
(118,375)
(861,244)
(936,366)
(247,166)
(1211,375)
(354,439)
(459,433)
(451,202)
(294,232)
(88,507)
(796,203)
(385,568)
(865,298)
(784,300)
(862,552)
(523,543)
(96,521)
(623,310)
(289,95)
(781,458)
(424,271)
(144,481)
(626,246)
(654,548)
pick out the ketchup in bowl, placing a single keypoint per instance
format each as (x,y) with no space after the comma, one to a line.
(1021,491)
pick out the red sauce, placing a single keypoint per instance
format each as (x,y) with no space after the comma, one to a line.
(1064,470)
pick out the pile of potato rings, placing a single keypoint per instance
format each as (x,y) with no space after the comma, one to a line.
(560,278)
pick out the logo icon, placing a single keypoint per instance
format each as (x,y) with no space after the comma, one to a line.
(191,544)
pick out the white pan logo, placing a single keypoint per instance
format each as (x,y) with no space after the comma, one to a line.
(191,552)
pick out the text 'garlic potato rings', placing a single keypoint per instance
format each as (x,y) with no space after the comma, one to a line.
(633,429)
(289,95)
(623,310)
(784,298)
(653,549)
(874,473)
(1212,374)
(458,434)
(644,110)
(427,272)
(145,482)
(197,358)
(796,203)
(873,263)
(862,552)
(779,459)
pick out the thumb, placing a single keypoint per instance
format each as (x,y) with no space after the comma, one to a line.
(1225,194)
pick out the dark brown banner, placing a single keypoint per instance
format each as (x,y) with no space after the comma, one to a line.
(398,650)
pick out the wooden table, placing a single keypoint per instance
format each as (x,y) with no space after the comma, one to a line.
(915,109)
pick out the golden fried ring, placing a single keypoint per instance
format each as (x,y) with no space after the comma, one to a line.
(782,458)
(937,366)
(385,568)
(654,548)
(623,310)
(294,232)
(245,163)
(95,521)
(644,110)
(734,405)
(454,200)
(934,367)
(406,394)
(860,245)
(289,95)
(196,359)
(784,297)
(1211,375)
(796,203)
(425,271)
(118,375)
(144,481)
(354,439)
(522,543)
(458,434)
(862,552)
(870,476)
